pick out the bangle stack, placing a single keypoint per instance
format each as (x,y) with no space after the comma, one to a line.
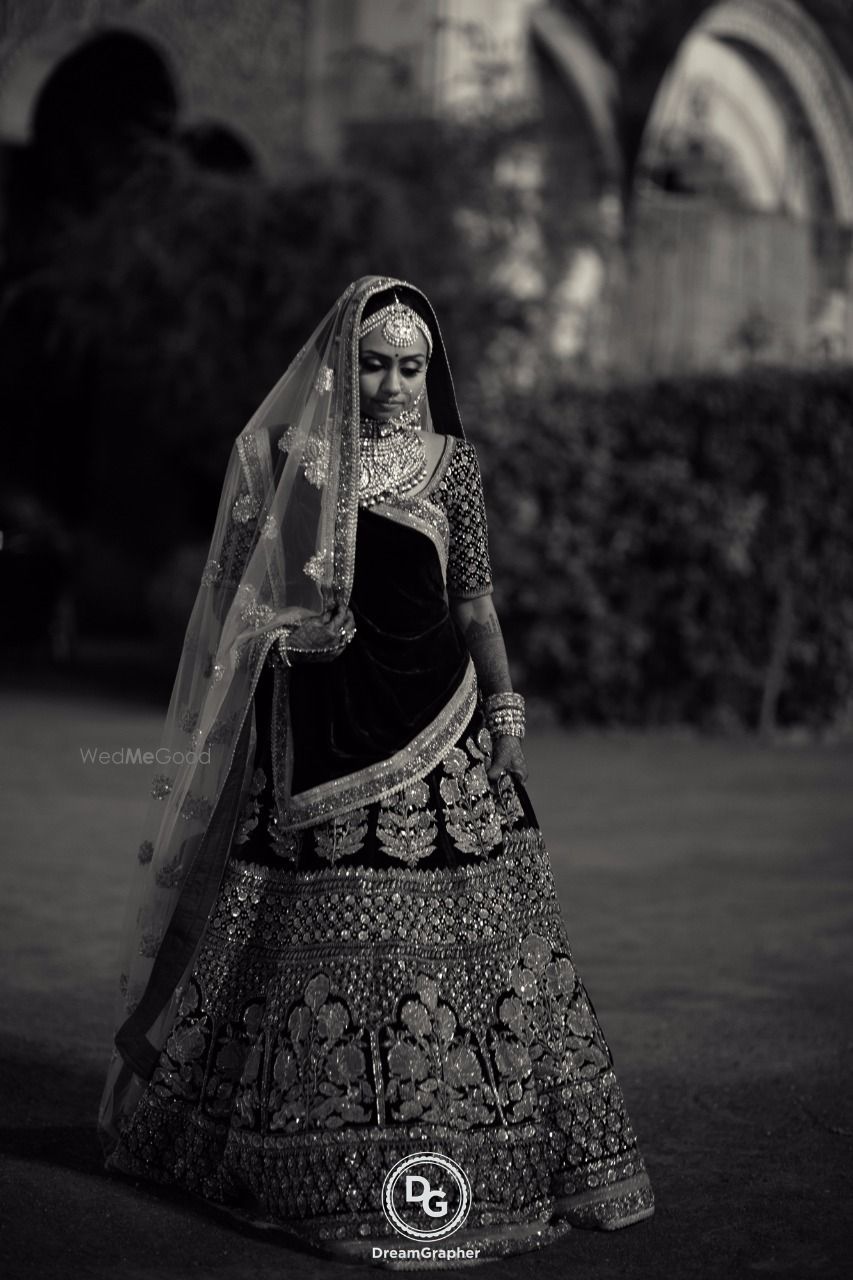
(504,714)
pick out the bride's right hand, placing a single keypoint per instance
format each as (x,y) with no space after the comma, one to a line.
(320,639)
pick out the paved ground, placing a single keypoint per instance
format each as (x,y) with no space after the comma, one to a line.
(707,886)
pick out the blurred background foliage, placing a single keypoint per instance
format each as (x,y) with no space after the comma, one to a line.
(142,327)
(681,551)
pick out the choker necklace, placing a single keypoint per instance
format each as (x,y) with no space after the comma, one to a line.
(387,426)
(392,458)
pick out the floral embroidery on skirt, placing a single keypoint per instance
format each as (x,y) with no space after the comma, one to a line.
(397,979)
(450,815)
(334,1022)
(406,824)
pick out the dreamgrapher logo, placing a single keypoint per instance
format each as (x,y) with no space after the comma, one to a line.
(426,1196)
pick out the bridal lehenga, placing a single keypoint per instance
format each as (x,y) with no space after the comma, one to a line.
(382,966)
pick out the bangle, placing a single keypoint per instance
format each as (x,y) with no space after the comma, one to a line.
(281,645)
(506,730)
(506,698)
(504,714)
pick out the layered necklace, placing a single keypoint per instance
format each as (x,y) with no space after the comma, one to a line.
(393,458)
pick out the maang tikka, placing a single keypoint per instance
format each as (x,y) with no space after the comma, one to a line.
(400,325)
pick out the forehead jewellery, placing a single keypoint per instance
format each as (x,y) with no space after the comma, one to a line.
(400,325)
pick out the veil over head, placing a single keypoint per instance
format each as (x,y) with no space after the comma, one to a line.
(282,552)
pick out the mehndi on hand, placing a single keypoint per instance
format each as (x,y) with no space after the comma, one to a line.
(319,639)
(507,757)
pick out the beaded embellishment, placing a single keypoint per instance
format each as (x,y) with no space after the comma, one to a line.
(400,325)
(332,1013)
(392,462)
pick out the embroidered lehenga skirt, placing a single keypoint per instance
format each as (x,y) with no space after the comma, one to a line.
(390,978)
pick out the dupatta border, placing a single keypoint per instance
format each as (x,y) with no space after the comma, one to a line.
(178,946)
(380,780)
(346,506)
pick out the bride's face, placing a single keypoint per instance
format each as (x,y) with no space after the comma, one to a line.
(390,377)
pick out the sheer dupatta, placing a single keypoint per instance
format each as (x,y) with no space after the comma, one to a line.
(282,552)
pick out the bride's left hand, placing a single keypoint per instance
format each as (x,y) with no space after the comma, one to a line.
(507,757)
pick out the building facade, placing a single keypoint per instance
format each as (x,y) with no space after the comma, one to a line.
(718,186)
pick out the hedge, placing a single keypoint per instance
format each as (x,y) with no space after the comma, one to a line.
(679,551)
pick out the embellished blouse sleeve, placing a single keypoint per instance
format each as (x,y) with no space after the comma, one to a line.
(469,572)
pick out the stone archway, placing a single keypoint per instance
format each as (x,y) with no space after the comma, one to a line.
(743,226)
(613,59)
(788,47)
(27,69)
(746,252)
(774,82)
(81,108)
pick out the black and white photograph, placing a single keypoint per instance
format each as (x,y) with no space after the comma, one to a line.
(426,638)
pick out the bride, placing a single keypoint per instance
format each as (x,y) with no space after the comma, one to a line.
(343,950)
